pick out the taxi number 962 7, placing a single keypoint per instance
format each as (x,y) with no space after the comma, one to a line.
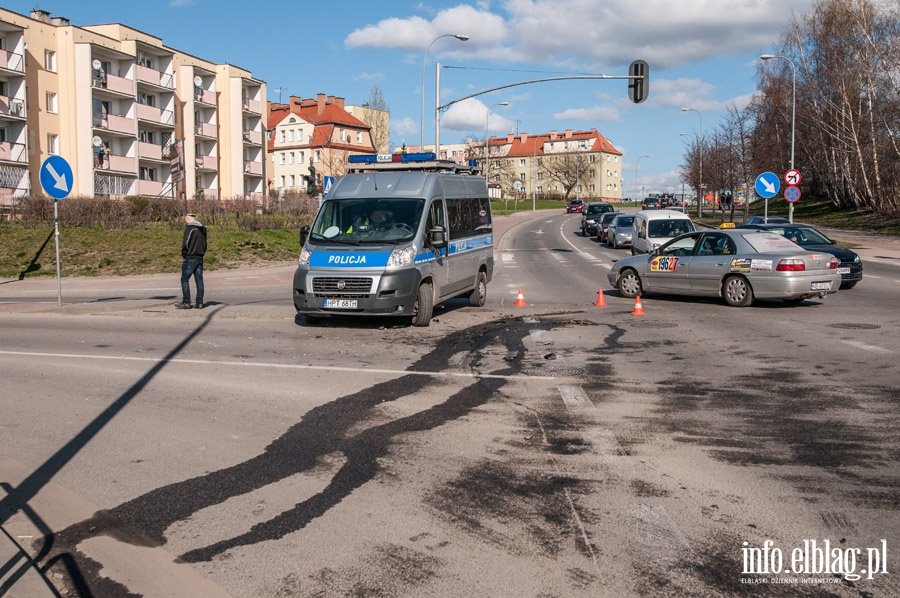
(664,264)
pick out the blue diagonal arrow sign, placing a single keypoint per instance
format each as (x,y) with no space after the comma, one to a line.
(56,177)
(767,185)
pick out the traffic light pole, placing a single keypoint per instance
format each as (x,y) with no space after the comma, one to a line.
(639,75)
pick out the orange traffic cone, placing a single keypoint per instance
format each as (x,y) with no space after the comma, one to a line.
(520,300)
(638,310)
(601,299)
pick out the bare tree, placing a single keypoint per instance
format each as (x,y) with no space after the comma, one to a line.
(377,115)
(568,169)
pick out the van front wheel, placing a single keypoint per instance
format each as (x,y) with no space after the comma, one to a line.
(424,306)
(478,295)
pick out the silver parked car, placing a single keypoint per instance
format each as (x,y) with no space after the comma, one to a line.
(738,265)
(618,233)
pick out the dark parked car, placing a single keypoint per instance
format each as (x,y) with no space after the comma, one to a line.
(651,203)
(807,237)
(576,205)
(590,215)
(603,225)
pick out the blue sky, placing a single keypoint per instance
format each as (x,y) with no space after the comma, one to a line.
(703,54)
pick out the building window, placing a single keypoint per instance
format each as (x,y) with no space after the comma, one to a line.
(591,173)
(52,144)
(522,162)
(50,60)
(147,174)
(540,189)
(282,158)
(290,135)
(146,100)
(521,176)
(539,176)
(343,135)
(282,180)
(359,137)
(291,158)
(317,156)
(301,156)
(52,103)
(292,180)
(283,135)
(591,188)
(591,158)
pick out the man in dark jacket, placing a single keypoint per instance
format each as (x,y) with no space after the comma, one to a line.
(193,248)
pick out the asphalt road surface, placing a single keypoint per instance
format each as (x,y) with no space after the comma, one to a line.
(558,449)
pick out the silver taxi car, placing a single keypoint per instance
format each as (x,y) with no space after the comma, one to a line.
(738,265)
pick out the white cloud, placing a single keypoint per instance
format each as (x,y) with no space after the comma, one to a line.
(594,114)
(180,3)
(473,115)
(601,37)
(369,77)
(403,127)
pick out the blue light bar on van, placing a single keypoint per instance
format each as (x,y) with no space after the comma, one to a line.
(382,158)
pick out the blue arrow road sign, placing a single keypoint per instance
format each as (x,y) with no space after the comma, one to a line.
(56,177)
(767,185)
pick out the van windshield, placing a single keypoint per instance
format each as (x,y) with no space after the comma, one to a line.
(669,227)
(356,221)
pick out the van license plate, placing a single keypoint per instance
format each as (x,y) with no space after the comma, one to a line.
(820,286)
(844,270)
(340,303)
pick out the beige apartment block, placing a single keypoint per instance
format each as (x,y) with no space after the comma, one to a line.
(131,115)
(544,165)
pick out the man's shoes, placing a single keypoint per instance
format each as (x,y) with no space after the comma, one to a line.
(182,305)
(198,305)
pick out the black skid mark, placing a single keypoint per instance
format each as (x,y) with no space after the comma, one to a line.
(323,430)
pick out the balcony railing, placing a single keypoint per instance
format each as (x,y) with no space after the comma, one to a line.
(254,137)
(251,167)
(251,106)
(204,95)
(103,80)
(111,122)
(150,151)
(155,115)
(12,61)
(146,74)
(206,129)
(153,188)
(205,162)
(12,107)
(13,152)
(115,163)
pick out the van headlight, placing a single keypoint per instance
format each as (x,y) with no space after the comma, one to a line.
(304,257)
(402,256)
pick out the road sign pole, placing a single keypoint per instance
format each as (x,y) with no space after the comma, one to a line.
(56,236)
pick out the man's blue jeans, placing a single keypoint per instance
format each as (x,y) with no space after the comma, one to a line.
(191,267)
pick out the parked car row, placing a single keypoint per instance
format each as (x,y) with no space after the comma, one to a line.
(778,260)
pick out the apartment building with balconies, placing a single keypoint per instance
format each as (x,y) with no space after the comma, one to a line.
(545,165)
(131,115)
(312,132)
(14,179)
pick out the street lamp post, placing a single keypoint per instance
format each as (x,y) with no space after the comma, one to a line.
(700,150)
(637,167)
(487,148)
(461,37)
(793,115)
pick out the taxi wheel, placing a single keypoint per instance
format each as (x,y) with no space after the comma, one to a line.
(737,291)
(629,283)
(479,293)
(424,306)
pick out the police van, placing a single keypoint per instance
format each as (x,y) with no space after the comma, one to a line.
(396,235)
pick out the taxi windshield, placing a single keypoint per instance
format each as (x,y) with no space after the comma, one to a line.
(363,220)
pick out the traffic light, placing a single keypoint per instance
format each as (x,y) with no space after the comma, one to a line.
(639,85)
(310,180)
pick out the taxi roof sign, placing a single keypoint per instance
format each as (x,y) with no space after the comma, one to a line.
(727,225)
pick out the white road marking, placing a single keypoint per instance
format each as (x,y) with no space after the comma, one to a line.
(283,366)
(865,347)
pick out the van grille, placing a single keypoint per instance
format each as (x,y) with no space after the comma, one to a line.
(340,287)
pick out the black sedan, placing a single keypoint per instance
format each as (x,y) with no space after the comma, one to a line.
(850,268)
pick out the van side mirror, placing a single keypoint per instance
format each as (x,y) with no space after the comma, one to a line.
(437,237)
(304,235)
